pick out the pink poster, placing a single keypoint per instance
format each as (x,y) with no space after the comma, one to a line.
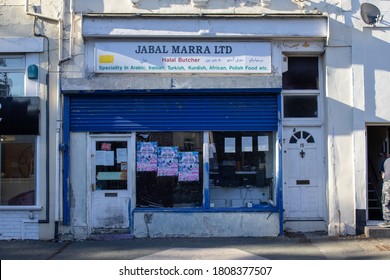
(146,156)
(188,166)
(167,161)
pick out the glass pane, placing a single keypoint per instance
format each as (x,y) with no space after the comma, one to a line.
(17,182)
(111,165)
(302,73)
(300,107)
(11,63)
(170,169)
(11,84)
(241,168)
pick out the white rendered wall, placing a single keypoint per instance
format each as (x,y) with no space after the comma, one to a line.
(18,27)
(356,71)
(205,224)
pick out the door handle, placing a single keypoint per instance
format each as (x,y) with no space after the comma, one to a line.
(93,187)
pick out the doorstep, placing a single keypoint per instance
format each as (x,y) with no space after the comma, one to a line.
(376,231)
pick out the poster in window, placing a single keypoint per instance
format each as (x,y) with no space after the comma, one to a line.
(121,155)
(167,161)
(188,166)
(146,156)
(105,147)
(230,145)
(262,143)
(104,158)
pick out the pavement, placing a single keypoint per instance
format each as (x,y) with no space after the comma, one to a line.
(310,246)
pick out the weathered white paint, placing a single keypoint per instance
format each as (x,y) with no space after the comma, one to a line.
(17,37)
(355,81)
(79,196)
(339,121)
(205,224)
(353,71)
(183,27)
(107,212)
(22,45)
(107,82)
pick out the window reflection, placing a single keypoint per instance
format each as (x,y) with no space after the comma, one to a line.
(17,181)
(169,169)
(241,168)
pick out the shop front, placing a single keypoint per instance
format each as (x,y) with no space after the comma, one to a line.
(23,188)
(208,162)
(176,136)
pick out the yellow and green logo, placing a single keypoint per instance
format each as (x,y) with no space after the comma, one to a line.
(106,58)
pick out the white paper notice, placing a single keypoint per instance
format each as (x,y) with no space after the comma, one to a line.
(230,145)
(262,143)
(246,144)
(105,158)
(121,155)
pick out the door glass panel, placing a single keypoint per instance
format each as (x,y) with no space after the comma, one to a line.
(300,106)
(111,165)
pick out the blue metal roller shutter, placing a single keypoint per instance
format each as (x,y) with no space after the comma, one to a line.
(124,113)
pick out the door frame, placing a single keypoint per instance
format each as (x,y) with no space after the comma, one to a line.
(321,180)
(131,180)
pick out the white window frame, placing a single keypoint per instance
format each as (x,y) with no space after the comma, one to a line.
(21,69)
(29,49)
(314,121)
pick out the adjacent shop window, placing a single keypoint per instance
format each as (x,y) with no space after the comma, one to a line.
(169,170)
(242,168)
(301,88)
(17,164)
(12,76)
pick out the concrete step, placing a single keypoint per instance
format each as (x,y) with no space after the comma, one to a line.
(376,231)
(111,236)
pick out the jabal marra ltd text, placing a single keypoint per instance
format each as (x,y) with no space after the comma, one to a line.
(196,49)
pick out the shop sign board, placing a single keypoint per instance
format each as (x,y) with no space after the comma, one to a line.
(183,57)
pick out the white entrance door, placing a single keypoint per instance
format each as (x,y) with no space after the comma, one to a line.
(303,179)
(110,193)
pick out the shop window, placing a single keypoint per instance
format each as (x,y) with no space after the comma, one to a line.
(17,181)
(242,166)
(169,169)
(12,76)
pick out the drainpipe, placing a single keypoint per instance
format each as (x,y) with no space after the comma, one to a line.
(61,147)
(61,60)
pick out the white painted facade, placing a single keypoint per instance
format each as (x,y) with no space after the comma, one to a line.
(353,93)
(17,38)
(346,108)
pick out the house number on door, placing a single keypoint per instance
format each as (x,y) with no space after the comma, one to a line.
(302,153)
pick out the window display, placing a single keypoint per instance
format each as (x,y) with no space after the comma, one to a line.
(169,169)
(17,181)
(241,168)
